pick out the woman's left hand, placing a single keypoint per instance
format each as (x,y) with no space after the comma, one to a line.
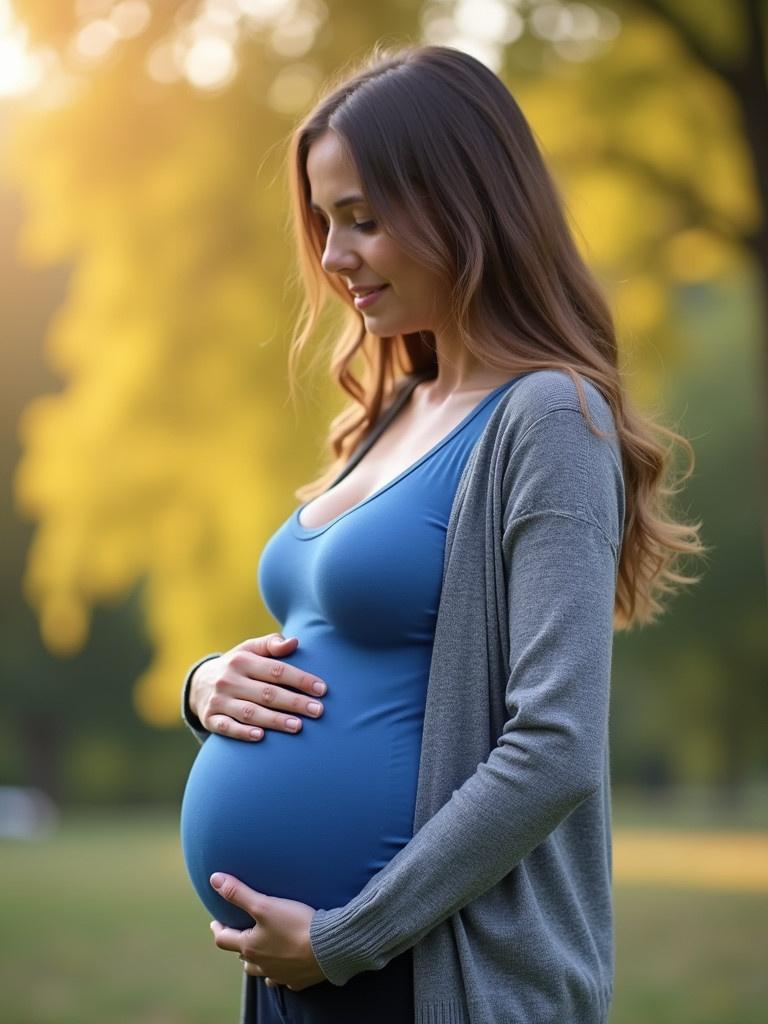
(277,947)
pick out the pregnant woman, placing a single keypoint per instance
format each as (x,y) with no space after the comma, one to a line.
(430,842)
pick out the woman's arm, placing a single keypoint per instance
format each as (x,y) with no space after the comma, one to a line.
(561,535)
(239,695)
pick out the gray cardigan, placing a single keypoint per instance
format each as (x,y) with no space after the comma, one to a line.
(504,891)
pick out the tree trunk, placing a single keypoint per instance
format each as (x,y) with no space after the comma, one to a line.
(43,744)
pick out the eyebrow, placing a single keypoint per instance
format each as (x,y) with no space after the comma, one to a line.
(344,201)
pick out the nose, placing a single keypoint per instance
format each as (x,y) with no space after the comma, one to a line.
(337,256)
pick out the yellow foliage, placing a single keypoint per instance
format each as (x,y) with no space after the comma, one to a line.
(162,460)
(696,255)
(617,214)
(640,304)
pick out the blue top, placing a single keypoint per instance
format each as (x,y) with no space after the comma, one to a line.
(313,816)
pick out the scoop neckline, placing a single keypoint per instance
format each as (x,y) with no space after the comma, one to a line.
(307,532)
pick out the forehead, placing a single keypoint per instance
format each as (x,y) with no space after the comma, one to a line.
(329,170)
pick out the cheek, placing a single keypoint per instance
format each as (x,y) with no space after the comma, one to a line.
(384,258)
(414,284)
(421,288)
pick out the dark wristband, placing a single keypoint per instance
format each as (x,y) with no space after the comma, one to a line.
(188,716)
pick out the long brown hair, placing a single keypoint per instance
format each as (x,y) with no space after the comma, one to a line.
(451,169)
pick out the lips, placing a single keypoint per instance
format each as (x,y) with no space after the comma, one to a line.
(360,291)
(363,300)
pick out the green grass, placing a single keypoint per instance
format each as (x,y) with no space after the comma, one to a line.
(99,923)
(690,956)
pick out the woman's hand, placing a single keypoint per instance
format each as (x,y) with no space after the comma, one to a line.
(277,947)
(237,694)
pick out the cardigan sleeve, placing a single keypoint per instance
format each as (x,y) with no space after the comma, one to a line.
(561,531)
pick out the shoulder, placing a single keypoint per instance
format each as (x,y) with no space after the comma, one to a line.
(549,457)
(541,392)
(543,407)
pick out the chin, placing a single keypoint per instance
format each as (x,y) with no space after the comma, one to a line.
(387,326)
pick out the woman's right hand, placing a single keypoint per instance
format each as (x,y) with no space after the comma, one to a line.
(237,694)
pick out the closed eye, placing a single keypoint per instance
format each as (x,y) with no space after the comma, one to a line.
(362,225)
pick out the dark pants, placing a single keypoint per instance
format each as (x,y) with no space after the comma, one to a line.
(373,997)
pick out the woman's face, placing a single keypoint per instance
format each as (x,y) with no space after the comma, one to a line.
(363,255)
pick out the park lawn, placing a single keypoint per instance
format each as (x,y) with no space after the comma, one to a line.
(99,923)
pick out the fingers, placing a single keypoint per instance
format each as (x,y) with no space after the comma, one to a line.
(247,715)
(259,659)
(226,726)
(226,938)
(273,645)
(248,719)
(257,710)
(241,895)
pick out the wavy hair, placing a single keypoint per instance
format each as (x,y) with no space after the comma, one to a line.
(451,169)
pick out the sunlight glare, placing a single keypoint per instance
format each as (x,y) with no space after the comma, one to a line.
(95,39)
(263,10)
(20,71)
(130,17)
(210,63)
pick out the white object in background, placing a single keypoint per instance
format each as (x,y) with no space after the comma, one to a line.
(26,813)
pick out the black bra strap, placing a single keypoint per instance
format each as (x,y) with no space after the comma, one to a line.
(382,423)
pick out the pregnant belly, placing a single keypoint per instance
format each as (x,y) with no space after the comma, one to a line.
(309,817)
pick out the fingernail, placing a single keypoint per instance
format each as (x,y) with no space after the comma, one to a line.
(314,708)
(292,723)
(217,879)
(255,734)
(318,688)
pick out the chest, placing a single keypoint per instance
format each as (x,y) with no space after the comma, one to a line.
(412,434)
(372,575)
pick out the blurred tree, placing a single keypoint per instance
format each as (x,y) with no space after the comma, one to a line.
(690,695)
(158,461)
(729,43)
(658,134)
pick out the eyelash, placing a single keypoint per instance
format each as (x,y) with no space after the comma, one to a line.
(362,225)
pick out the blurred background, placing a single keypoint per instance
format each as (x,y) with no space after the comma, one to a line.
(149,449)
